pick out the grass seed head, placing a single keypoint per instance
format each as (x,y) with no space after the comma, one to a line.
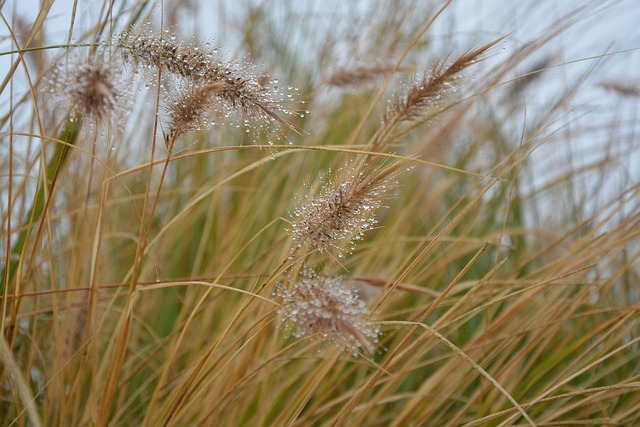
(343,211)
(339,216)
(362,74)
(326,306)
(188,112)
(255,97)
(93,89)
(428,91)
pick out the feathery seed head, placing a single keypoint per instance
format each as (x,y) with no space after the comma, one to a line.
(93,89)
(342,212)
(362,74)
(253,96)
(187,113)
(428,91)
(622,88)
(326,306)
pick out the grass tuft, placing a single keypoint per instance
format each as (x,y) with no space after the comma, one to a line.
(453,247)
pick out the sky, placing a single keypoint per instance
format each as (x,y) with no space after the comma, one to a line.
(606,39)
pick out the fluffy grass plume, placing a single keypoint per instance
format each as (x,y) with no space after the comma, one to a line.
(95,89)
(361,74)
(448,238)
(328,307)
(344,209)
(251,95)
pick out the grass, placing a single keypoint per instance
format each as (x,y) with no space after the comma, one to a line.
(399,228)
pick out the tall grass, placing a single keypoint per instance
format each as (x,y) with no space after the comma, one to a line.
(370,225)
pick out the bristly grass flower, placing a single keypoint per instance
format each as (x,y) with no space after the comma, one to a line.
(363,74)
(343,211)
(187,113)
(93,89)
(255,97)
(427,91)
(326,306)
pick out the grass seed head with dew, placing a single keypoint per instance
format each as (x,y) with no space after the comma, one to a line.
(187,113)
(326,306)
(428,90)
(343,211)
(94,89)
(257,99)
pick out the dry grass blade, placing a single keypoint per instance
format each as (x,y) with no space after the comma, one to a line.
(470,361)
(17,379)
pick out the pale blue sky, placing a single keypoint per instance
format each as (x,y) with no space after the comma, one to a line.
(611,27)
